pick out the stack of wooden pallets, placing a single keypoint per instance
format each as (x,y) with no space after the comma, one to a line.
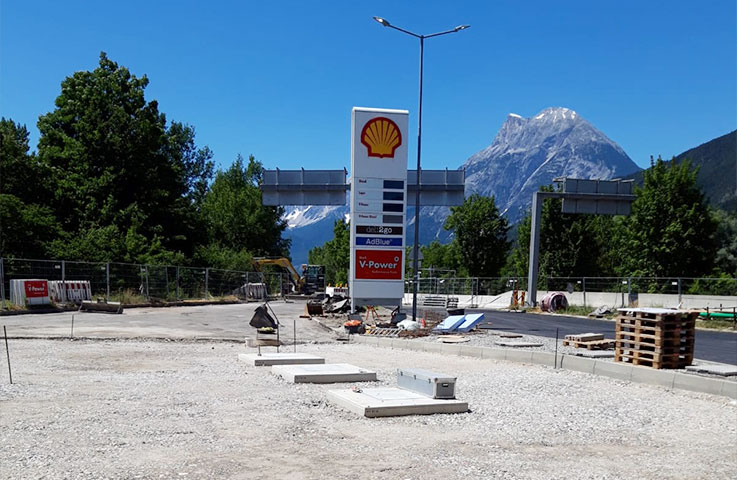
(657,338)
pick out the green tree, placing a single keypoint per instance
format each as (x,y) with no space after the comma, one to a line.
(444,257)
(27,223)
(118,170)
(237,224)
(335,254)
(481,233)
(726,235)
(571,245)
(670,232)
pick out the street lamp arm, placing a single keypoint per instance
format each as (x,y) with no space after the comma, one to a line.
(405,31)
(457,29)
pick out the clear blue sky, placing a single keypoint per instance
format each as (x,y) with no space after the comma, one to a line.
(278,79)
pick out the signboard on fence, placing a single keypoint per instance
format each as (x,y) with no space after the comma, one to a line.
(29,292)
(378,205)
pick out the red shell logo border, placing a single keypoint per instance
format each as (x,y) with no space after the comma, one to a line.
(368,147)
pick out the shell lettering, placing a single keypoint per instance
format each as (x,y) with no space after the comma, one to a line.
(381,136)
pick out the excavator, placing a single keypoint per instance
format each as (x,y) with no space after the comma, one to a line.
(312,279)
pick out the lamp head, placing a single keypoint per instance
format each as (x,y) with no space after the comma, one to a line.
(461,27)
(382,21)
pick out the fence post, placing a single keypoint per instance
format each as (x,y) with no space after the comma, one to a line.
(2,285)
(166,275)
(679,292)
(583,287)
(207,278)
(148,297)
(107,282)
(177,282)
(629,291)
(281,291)
(63,270)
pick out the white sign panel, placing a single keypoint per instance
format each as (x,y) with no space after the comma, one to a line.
(378,205)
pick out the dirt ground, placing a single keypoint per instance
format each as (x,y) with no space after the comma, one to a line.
(182,409)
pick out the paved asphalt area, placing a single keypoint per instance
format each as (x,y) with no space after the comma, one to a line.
(708,345)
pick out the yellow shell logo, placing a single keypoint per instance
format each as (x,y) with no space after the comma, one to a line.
(381,137)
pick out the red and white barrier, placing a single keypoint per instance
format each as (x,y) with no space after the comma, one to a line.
(29,292)
(70,291)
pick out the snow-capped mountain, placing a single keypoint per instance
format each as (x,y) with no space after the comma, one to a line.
(530,152)
(525,154)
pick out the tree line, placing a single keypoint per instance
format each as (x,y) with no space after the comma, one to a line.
(114,180)
(671,232)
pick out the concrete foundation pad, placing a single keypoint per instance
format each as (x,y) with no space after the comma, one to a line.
(393,402)
(269,359)
(723,370)
(519,344)
(326,373)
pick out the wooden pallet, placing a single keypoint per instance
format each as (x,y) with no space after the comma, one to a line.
(653,340)
(585,337)
(604,344)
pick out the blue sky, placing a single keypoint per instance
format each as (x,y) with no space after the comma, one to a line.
(278,79)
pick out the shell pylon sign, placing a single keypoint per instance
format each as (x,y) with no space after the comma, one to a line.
(378,205)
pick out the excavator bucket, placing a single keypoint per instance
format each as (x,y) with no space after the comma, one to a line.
(314,309)
(262,319)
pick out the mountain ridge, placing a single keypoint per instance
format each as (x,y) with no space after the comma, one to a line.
(524,154)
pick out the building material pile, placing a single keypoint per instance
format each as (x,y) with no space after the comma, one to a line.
(655,337)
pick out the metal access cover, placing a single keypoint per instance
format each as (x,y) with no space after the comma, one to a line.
(431,384)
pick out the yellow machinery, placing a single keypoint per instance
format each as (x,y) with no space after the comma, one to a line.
(312,280)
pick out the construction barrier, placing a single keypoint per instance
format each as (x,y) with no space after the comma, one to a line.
(252,291)
(343,291)
(29,292)
(70,291)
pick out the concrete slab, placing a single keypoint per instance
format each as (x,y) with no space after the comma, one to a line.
(715,369)
(392,402)
(471,351)
(620,371)
(519,344)
(269,359)
(578,364)
(518,356)
(653,376)
(696,383)
(327,373)
(494,353)
(729,389)
(543,358)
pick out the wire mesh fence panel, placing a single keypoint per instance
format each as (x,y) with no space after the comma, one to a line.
(95,273)
(157,282)
(191,283)
(222,283)
(709,286)
(127,283)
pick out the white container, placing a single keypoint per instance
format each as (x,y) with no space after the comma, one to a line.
(432,384)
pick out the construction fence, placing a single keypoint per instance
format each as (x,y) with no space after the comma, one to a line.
(626,288)
(136,283)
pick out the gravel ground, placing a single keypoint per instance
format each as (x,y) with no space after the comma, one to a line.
(152,409)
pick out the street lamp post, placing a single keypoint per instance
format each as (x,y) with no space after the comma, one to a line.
(415,249)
